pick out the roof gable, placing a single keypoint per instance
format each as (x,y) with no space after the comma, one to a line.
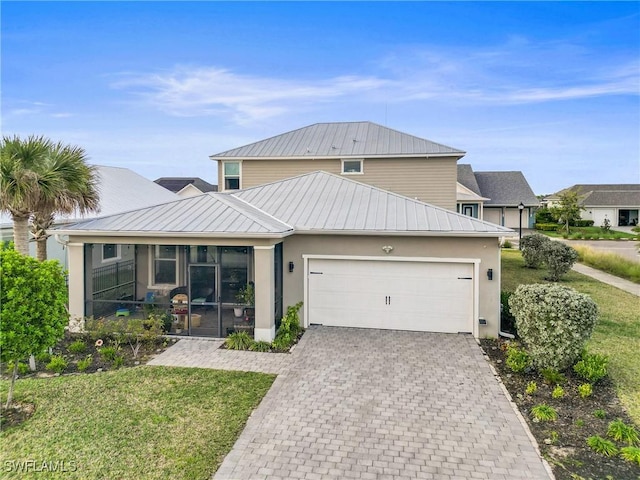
(506,189)
(176,184)
(467,178)
(339,140)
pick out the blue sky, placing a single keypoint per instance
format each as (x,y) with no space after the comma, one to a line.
(552,89)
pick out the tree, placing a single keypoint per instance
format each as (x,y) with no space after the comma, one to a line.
(568,208)
(33,307)
(39,179)
(20,184)
(76,191)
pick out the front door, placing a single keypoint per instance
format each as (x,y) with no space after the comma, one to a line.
(204,312)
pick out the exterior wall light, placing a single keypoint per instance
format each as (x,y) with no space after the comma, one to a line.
(387,248)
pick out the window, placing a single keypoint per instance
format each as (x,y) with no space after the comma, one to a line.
(352,166)
(231,175)
(164,266)
(110,251)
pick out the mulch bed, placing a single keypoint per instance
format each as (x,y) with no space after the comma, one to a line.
(19,412)
(564,442)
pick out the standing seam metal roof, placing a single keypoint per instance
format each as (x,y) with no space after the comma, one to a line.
(346,139)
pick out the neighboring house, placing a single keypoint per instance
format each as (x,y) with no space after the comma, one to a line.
(497,197)
(367,152)
(186,186)
(618,203)
(120,190)
(355,254)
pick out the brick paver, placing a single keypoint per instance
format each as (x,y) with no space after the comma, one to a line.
(373,404)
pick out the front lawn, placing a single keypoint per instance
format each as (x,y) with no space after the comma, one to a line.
(617,332)
(133,423)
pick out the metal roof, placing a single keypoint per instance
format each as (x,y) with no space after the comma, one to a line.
(316,202)
(209,213)
(506,189)
(323,202)
(339,140)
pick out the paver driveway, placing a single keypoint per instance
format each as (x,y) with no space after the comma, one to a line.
(374,404)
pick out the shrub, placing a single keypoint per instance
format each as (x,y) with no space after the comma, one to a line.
(582,223)
(552,376)
(592,367)
(532,387)
(238,341)
(118,361)
(57,364)
(559,259)
(108,354)
(599,413)
(289,329)
(547,227)
(533,251)
(260,347)
(631,454)
(85,363)
(554,323)
(544,215)
(77,347)
(23,368)
(585,390)
(544,413)
(517,359)
(621,432)
(507,244)
(558,392)
(507,320)
(602,446)
(43,357)
(282,343)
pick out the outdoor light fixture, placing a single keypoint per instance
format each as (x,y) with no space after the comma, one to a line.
(291,265)
(490,274)
(387,248)
(520,209)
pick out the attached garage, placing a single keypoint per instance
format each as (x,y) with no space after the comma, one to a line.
(434,295)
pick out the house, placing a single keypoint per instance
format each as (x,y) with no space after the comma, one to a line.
(355,254)
(186,186)
(618,203)
(120,190)
(365,151)
(497,197)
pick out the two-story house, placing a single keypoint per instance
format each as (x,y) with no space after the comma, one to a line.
(291,221)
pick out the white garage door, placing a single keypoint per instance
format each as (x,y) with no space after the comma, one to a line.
(424,296)
(599,214)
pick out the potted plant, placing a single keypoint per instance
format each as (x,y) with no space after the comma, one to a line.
(245,298)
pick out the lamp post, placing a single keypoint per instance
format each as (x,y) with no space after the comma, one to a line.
(520,210)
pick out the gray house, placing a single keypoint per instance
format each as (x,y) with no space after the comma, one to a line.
(355,254)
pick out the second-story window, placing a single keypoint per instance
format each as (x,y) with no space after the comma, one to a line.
(231,171)
(352,167)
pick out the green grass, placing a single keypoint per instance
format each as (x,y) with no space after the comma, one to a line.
(610,263)
(617,333)
(586,233)
(134,423)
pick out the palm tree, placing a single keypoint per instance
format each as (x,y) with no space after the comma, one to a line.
(76,191)
(39,179)
(20,184)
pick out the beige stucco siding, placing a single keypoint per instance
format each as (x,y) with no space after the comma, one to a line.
(485,249)
(431,180)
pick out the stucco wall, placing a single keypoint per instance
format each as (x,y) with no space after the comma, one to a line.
(485,249)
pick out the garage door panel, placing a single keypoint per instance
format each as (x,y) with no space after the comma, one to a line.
(424,296)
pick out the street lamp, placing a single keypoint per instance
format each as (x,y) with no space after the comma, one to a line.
(520,209)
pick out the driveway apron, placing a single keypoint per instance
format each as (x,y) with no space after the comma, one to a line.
(375,404)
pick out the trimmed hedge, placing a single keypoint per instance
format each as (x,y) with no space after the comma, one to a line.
(547,227)
(582,223)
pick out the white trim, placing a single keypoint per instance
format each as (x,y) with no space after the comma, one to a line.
(474,261)
(361,160)
(224,183)
(111,259)
(230,158)
(150,264)
(264,247)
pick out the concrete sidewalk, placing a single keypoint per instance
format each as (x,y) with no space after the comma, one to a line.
(618,282)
